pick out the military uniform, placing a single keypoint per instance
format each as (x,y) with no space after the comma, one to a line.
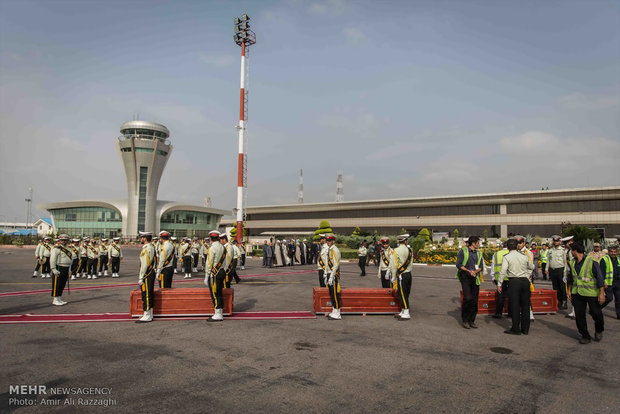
(44,257)
(76,257)
(195,252)
(83,253)
(37,257)
(230,253)
(115,252)
(320,262)
(60,262)
(517,266)
(186,258)
(164,263)
(215,275)
(362,252)
(496,267)
(93,257)
(331,276)
(103,258)
(401,265)
(558,267)
(146,278)
(384,265)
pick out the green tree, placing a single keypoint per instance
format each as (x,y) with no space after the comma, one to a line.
(324,228)
(581,233)
(425,234)
(356,232)
(456,237)
(233,232)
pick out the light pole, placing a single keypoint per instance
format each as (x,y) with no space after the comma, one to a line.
(243,37)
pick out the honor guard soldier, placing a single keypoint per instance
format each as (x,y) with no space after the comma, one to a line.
(186,258)
(229,257)
(558,266)
(610,267)
(320,262)
(235,260)
(93,257)
(331,277)
(164,263)
(401,265)
(146,278)
(362,253)
(60,262)
(44,256)
(215,275)
(37,257)
(75,249)
(195,251)
(469,266)
(243,253)
(103,258)
(384,263)
(586,288)
(83,252)
(174,242)
(204,247)
(517,267)
(115,252)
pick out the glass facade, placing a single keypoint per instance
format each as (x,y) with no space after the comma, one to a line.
(564,206)
(144,174)
(182,223)
(88,221)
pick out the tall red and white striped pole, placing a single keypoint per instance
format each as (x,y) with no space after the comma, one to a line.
(244,37)
(242,165)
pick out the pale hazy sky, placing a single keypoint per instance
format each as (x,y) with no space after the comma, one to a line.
(407,98)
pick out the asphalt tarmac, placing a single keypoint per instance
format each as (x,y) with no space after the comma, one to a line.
(361,364)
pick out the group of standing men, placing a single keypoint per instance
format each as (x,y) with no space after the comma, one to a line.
(158,260)
(90,257)
(287,253)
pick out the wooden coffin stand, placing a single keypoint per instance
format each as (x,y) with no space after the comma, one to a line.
(544,301)
(358,301)
(181,302)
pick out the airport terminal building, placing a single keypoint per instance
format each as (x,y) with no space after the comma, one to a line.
(540,213)
(144,147)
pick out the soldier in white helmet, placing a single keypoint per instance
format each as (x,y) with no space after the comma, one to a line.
(103,258)
(115,252)
(60,262)
(75,249)
(165,271)
(384,263)
(44,256)
(93,258)
(83,253)
(331,275)
(215,275)
(401,264)
(146,278)
(186,257)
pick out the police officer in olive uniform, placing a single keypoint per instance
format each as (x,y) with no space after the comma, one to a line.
(215,275)
(146,277)
(61,259)
(164,263)
(470,266)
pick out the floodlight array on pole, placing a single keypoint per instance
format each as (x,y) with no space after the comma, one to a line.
(243,37)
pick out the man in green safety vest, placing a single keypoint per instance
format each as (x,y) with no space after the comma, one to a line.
(610,267)
(586,288)
(502,288)
(469,266)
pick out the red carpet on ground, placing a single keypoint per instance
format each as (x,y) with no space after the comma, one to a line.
(125,317)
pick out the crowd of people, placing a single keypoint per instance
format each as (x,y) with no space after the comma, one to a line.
(582,280)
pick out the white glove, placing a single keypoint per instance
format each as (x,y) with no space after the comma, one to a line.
(140,282)
(387,275)
(400,278)
(324,278)
(56,272)
(330,281)
(207,280)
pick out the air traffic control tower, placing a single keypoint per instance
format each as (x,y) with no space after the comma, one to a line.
(144,148)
